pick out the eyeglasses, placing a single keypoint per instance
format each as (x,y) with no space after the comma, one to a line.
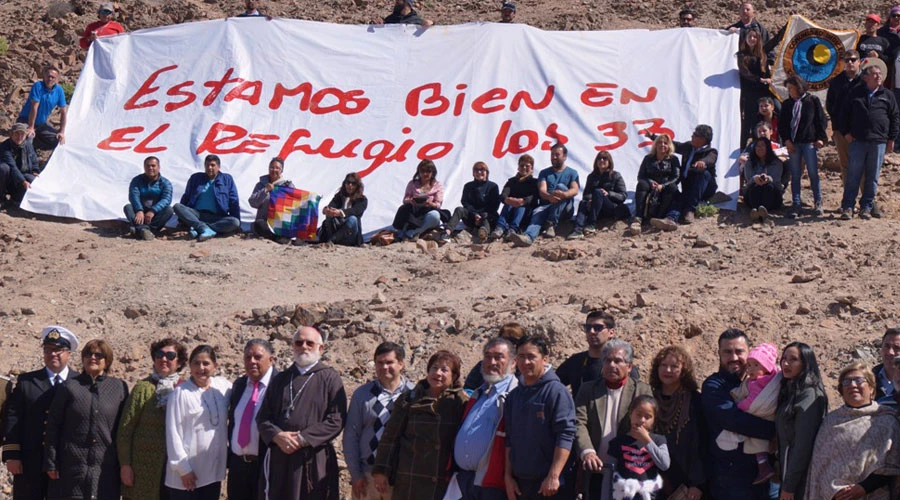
(169,355)
(857,381)
(95,355)
(851,59)
(895,15)
(55,349)
(594,327)
(307,343)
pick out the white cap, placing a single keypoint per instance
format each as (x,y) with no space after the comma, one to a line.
(57,335)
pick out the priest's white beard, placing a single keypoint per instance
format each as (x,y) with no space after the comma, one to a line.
(307,358)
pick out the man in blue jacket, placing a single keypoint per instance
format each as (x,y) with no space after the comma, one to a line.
(733,471)
(210,204)
(540,427)
(149,201)
(18,165)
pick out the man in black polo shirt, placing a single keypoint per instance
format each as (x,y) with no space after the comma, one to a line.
(585,366)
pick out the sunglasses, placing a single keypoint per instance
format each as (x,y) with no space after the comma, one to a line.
(851,59)
(95,355)
(857,381)
(895,15)
(169,355)
(595,327)
(106,12)
(307,343)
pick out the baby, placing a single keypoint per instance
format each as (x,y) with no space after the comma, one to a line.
(758,396)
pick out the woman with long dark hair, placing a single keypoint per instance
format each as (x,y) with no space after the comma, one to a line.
(801,407)
(421,208)
(801,126)
(756,76)
(604,197)
(343,215)
(762,176)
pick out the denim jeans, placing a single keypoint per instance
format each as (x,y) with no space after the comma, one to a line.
(696,187)
(158,222)
(807,152)
(550,214)
(431,220)
(198,221)
(865,161)
(511,218)
(599,207)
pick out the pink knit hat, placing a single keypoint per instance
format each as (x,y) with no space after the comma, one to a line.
(766,355)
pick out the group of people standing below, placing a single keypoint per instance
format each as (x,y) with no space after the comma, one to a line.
(519,427)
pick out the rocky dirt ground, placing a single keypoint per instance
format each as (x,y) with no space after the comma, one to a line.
(832,284)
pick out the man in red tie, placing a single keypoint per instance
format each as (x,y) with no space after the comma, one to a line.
(246,450)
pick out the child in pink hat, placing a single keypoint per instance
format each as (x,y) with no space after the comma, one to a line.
(758,396)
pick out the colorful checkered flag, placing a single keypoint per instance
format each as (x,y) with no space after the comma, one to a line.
(293,213)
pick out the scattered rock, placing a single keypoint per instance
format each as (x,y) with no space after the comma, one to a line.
(640,300)
(703,241)
(28,311)
(132,312)
(379,298)
(805,278)
(559,254)
(692,330)
(381,280)
(803,309)
(454,257)
(82,256)
(199,253)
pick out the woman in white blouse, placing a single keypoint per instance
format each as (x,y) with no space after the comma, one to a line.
(197,431)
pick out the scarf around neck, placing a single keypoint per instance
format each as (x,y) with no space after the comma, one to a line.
(164,387)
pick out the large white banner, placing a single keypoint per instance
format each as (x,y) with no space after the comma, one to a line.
(332,99)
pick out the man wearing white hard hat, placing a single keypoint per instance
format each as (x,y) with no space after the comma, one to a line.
(26,414)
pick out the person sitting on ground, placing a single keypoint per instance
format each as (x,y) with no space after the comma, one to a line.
(686,18)
(886,371)
(480,201)
(870,43)
(45,96)
(19,165)
(763,174)
(343,215)
(518,197)
(104,26)
(558,185)
(508,13)
(210,204)
(259,199)
(604,197)
(251,9)
(421,208)
(657,186)
(698,173)
(856,451)
(758,396)
(150,201)
(802,124)
(404,13)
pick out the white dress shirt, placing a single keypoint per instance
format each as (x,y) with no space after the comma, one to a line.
(63,374)
(253,447)
(197,432)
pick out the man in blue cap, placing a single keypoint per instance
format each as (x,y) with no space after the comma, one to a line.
(508,13)
(23,447)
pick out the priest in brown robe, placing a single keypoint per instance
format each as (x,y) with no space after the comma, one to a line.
(302,412)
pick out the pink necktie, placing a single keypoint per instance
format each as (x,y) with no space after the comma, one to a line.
(247,417)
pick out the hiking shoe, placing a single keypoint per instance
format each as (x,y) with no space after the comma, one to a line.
(590,230)
(865,214)
(521,240)
(794,213)
(147,235)
(689,217)
(442,237)
(664,224)
(193,233)
(577,234)
(820,212)
(483,233)
(550,232)
(206,234)
(754,214)
(497,234)
(762,213)
(846,214)
(876,211)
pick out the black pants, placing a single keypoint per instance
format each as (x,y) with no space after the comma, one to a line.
(211,491)
(664,200)
(243,478)
(766,195)
(261,229)
(462,214)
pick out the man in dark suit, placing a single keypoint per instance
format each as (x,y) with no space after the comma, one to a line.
(246,450)
(27,413)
